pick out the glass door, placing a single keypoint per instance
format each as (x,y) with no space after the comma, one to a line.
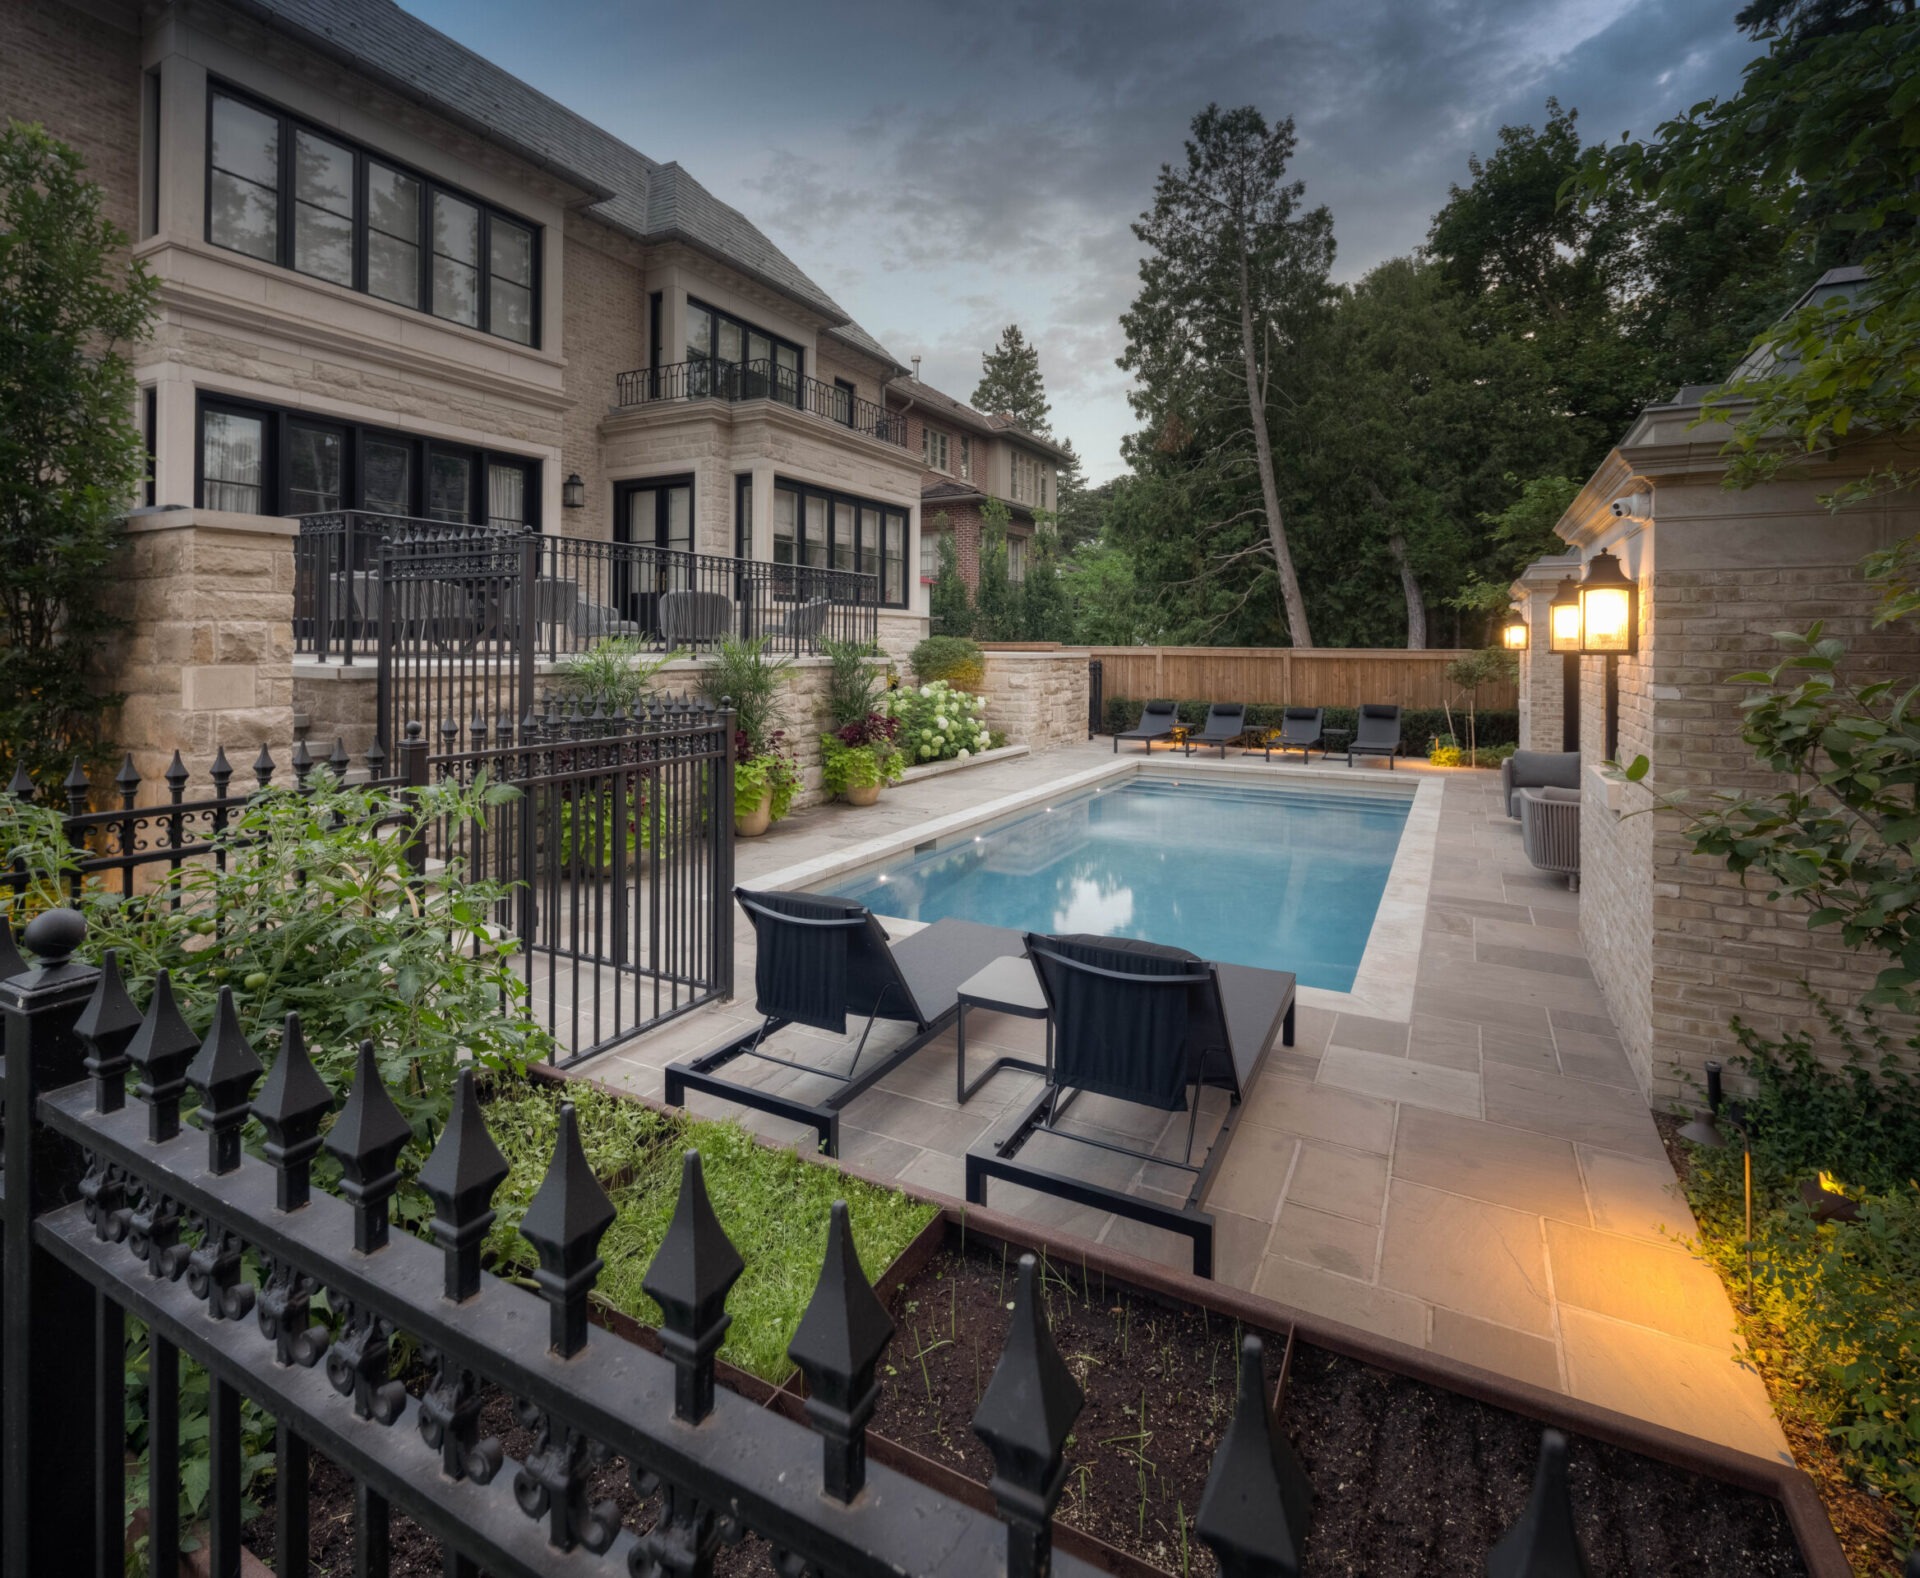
(386,476)
(316,468)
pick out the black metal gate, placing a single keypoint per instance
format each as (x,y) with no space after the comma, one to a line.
(618,848)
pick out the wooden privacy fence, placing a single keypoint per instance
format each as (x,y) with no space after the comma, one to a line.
(1296,676)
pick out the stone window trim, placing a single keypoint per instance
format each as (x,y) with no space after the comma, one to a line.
(499,261)
(222,476)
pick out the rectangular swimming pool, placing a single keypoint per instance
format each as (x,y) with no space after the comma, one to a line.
(1282,877)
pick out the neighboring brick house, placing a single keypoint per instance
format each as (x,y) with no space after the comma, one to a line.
(395,279)
(968,458)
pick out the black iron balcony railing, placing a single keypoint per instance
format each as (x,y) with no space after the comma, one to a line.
(710,378)
(366,582)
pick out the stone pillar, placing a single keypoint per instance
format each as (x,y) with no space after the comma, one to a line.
(1037,698)
(1542,672)
(206,661)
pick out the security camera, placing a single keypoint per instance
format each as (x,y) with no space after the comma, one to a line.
(1633,507)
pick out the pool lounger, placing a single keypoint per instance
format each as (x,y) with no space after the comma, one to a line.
(820,959)
(1150,1025)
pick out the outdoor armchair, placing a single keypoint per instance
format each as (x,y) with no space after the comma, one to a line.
(819,960)
(1300,730)
(1158,720)
(1226,722)
(805,621)
(689,618)
(1550,831)
(1137,1022)
(1376,732)
(1537,770)
(596,621)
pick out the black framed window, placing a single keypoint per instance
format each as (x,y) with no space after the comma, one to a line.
(843,396)
(260,459)
(743,515)
(824,529)
(294,195)
(738,359)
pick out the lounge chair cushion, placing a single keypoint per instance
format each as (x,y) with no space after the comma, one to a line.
(1116,1038)
(1537,770)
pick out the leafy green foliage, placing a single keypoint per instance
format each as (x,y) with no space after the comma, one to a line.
(1842,839)
(773,1204)
(614,673)
(1832,1316)
(1519,533)
(71,456)
(951,658)
(845,766)
(996,604)
(854,681)
(743,673)
(1010,383)
(1491,666)
(938,722)
(950,604)
(1820,149)
(317,912)
(1043,609)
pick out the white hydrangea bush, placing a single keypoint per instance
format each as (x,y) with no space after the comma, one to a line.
(938,722)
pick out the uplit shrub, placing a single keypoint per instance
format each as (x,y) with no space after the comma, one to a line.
(954,659)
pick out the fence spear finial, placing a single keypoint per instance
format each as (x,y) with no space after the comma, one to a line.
(1258,1503)
(1542,1542)
(838,1346)
(694,1269)
(161,1049)
(224,1071)
(290,1106)
(367,1139)
(565,1222)
(107,1025)
(460,1177)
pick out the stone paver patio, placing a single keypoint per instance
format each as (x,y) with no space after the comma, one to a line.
(1482,1178)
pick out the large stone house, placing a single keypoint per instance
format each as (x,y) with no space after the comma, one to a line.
(396,279)
(970,457)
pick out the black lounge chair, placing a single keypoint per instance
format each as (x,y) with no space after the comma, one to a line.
(1147,1024)
(1376,732)
(822,959)
(1226,722)
(1158,720)
(1299,731)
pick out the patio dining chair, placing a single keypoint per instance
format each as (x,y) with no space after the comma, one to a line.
(819,960)
(1149,1025)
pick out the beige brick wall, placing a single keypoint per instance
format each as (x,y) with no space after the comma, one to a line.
(606,335)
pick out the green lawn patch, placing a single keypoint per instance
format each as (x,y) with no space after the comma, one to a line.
(773,1204)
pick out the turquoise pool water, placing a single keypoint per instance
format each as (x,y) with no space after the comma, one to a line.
(1287,878)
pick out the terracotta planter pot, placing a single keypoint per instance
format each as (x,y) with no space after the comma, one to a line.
(752,821)
(866,794)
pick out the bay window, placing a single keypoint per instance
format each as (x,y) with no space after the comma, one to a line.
(293,195)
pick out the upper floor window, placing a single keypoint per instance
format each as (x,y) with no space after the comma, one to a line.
(1029,479)
(934,450)
(729,357)
(1016,559)
(288,194)
(966,458)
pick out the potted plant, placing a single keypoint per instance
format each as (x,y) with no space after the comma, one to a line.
(765,778)
(859,758)
(858,754)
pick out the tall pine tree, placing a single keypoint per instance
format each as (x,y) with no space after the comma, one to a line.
(1010,383)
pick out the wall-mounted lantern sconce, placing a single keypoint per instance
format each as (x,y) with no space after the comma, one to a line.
(1563,618)
(1513,634)
(1607,624)
(573,493)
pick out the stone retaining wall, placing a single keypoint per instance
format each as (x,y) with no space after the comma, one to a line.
(1037,699)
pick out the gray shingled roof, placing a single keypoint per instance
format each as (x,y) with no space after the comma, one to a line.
(996,426)
(635,195)
(852,334)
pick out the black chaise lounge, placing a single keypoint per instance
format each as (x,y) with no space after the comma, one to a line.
(1226,722)
(820,960)
(1158,720)
(1142,1023)
(1376,732)
(1299,731)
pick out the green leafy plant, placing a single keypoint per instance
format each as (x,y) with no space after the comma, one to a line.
(1468,674)
(743,673)
(954,659)
(845,766)
(949,602)
(938,722)
(71,455)
(633,810)
(614,673)
(770,776)
(855,681)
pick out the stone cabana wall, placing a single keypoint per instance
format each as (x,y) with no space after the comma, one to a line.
(1679,944)
(1037,699)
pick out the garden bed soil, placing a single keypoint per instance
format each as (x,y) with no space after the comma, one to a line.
(1409,1479)
(1867,1525)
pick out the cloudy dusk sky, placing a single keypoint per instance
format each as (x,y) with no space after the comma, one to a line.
(943,171)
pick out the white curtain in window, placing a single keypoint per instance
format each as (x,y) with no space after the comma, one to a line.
(231,461)
(506,495)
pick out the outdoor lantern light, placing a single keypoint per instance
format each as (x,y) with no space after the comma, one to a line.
(1606,608)
(1563,613)
(1513,635)
(573,493)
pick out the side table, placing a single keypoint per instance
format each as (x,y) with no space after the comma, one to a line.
(1006,986)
